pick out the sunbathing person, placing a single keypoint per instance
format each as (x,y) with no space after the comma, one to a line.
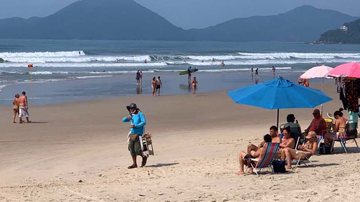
(245,158)
(340,124)
(304,151)
(287,141)
(253,150)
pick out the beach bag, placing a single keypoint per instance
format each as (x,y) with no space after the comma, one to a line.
(324,149)
(278,166)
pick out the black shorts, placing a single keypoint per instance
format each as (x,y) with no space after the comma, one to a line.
(158,87)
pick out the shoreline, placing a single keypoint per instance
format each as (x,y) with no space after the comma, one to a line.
(121,86)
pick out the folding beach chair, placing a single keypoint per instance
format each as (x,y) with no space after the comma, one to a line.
(343,141)
(265,160)
(298,162)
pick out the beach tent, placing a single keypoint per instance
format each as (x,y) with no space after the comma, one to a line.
(278,94)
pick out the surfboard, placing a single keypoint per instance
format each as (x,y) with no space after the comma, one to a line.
(185,72)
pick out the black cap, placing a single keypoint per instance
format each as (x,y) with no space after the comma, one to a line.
(131,106)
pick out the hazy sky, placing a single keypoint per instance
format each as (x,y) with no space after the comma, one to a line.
(188,13)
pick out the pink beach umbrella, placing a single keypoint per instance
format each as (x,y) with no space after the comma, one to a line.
(317,72)
(351,70)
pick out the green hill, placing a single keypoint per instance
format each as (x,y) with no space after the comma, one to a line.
(348,34)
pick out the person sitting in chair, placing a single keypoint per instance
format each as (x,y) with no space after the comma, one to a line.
(244,159)
(294,126)
(340,124)
(303,152)
(287,140)
(253,150)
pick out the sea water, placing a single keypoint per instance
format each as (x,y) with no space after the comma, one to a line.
(71,70)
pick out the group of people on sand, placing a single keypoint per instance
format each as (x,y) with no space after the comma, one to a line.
(21,107)
(290,135)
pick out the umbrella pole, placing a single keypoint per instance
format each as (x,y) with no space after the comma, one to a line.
(277,119)
(322,88)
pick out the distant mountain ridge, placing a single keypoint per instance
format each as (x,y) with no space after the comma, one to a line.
(94,19)
(128,20)
(349,33)
(304,23)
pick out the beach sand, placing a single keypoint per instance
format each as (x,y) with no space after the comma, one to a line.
(78,152)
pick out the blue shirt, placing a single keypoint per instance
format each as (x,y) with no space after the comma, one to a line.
(138,121)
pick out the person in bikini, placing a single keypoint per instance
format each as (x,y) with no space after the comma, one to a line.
(153,86)
(303,152)
(340,124)
(16,105)
(194,85)
(287,140)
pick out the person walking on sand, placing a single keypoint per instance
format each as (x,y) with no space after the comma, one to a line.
(16,105)
(257,71)
(153,86)
(194,84)
(23,107)
(158,85)
(137,121)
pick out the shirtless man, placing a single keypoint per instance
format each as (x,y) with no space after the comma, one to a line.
(253,150)
(23,107)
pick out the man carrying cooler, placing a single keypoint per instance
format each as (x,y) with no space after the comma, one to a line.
(137,121)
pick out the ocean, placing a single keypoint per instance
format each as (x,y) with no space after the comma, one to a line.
(74,70)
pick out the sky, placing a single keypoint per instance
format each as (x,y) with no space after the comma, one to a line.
(187,13)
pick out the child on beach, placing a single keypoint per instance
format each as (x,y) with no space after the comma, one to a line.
(194,84)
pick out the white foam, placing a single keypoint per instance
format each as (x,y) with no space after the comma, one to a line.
(92,77)
(75,65)
(46,54)
(2,86)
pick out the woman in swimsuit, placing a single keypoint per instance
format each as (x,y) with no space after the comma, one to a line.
(16,105)
(153,86)
(304,151)
(340,124)
(287,141)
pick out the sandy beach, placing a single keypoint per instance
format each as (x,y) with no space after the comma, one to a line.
(78,152)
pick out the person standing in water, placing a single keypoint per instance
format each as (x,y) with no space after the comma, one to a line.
(158,85)
(194,85)
(273,71)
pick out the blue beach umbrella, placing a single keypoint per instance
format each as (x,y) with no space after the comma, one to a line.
(278,94)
